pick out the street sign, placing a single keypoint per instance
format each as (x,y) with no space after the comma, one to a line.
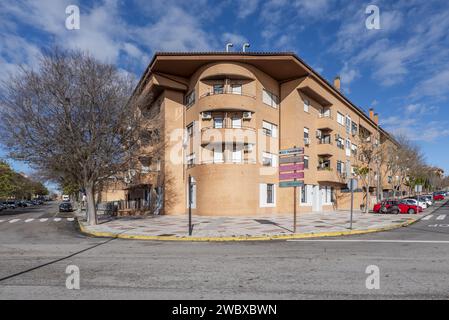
(418,188)
(352,184)
(290,184)
(294,159)
(292,167)
(291,175)
(291,151)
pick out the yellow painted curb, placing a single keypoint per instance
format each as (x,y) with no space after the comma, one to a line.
(244,238)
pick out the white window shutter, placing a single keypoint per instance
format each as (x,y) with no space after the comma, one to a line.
(262,195)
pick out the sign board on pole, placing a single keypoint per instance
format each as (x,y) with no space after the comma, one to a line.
(418,188)
(291,151)
(294,159)
(292,167)
(290,184)
(291,175)
(352,184)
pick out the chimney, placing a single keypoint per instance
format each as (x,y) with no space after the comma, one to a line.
(371,114)
(376,118)
(337,83)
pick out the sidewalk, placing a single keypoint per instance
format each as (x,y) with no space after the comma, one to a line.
(319,224)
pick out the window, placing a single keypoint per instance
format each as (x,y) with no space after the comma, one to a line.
(269,129)
(306,136)
(270,99)
(354,150)
(236,122)
(340,143)
(340,118)
(306,162)
(267,195)
(218,154)
(348,147)
(348,124)
(236,89)
(306,105)
(191,160)
(269,159)
(190,99)
(218,88)
(190,130)
(237,153)
(326,195)
(218,123)
(354,129)
(340,167)
(306,195)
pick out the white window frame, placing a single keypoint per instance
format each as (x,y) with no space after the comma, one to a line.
(306,105)
(308,189)
(270,126)
(272,157)
(215,122)
(341,118)
(270,99)
(263,193)
(218,151)
(236,86)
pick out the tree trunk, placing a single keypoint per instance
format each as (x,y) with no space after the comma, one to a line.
(91,208)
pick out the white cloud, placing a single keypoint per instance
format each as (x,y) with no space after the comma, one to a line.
(246,8)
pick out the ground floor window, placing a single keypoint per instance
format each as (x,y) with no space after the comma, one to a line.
(306,195)
(267,195)
(327,195)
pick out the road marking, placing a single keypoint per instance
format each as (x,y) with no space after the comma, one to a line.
(43,219)
(70,219)
(441,217)
(29,220)
(57,219)
(1,221)
(14,220)
(430,216)
(374,241)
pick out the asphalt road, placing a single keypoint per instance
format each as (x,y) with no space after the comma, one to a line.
(413,263)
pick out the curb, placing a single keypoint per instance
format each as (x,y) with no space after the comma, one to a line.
(244,238)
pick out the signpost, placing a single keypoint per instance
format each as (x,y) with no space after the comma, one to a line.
(293,172)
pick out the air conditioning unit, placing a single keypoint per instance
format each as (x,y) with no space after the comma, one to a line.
(318,134)
(206,115)
(306,141)
(247,115)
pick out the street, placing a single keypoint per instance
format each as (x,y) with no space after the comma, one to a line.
(413,264)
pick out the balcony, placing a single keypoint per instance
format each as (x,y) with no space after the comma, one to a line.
(324,147)
(326,122)
(227,100)
(328,174)
(228,133)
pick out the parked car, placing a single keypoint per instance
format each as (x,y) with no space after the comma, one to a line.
(421,203)
(10,204)
(2,206)
(438,197)
(396,207)
(65,207)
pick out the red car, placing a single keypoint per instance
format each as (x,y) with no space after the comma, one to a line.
(438,197)
(396,207)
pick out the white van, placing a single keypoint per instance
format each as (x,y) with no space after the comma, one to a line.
(65,197)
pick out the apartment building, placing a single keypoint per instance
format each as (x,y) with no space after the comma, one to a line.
(222,119)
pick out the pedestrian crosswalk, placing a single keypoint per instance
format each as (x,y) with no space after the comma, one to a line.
(437,217)
(29,220)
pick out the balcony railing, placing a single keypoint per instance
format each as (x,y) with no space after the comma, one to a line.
(227,91)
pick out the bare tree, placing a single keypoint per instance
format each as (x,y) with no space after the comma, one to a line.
(73,117)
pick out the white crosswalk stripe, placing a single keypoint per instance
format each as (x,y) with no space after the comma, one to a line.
(430,216)
(14,220)
(29,220)
(57,219)
(43,219)
(1,221)
(70,219)
(441,217)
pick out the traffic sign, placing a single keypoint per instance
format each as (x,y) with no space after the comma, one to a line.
(290,184)
(291,175)
(291,151)
(292,167)
(294,159)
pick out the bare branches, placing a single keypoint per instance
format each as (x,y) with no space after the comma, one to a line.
(71,117)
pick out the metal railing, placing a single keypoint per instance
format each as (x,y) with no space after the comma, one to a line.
(227,91)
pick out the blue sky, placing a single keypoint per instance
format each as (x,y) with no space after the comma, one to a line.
(402,69)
